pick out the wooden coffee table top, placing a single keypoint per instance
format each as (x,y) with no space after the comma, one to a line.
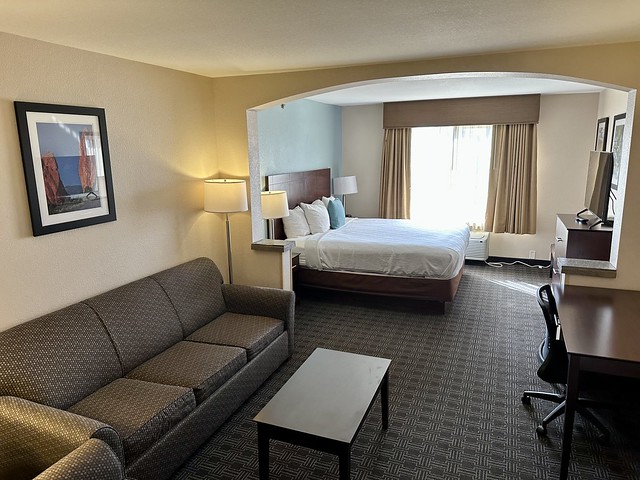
(328,396)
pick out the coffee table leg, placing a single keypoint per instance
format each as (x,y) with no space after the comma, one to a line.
(384,400)
(345,463)
(263,453)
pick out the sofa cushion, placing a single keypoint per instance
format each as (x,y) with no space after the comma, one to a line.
(199,366)
(57,359)
(140,319)
(141,412)
(251,332)
(194,290)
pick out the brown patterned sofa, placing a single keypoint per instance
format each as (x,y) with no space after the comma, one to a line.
(133,381)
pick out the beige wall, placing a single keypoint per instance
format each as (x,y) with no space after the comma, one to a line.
(607,64)
(168,130)
(362,139)
(566,135)
(161,144)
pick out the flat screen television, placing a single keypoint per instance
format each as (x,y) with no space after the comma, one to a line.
(598,188)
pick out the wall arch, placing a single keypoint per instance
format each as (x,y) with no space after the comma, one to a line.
(235,97)
(401,82)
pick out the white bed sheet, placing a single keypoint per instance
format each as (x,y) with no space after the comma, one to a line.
(385,246)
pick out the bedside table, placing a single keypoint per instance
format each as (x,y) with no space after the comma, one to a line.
(295,267)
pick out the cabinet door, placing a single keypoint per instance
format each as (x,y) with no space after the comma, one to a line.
(593,245)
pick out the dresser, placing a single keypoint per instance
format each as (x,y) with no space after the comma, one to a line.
(577,240)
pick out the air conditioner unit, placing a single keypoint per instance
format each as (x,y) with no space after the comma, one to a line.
(478,248)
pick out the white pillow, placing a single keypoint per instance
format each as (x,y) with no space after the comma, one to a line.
(326,200)
(317,216)
(295,225)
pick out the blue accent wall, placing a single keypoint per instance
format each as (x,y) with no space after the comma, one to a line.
(304,135)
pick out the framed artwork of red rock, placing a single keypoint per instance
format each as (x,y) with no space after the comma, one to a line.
(67,169)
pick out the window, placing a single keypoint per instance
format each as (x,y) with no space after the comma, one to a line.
(450,174)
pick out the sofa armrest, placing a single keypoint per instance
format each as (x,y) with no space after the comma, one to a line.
(91,460)
(33,437)
(268,302)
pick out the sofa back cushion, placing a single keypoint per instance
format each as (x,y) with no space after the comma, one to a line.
(57,359)
(140,320)
(195,291)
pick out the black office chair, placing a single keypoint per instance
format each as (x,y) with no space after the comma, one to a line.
(555,366)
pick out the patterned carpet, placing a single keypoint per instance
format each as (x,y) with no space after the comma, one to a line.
(455,387)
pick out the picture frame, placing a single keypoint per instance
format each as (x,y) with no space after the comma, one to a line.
(602,130)
(67,167)
(617,133)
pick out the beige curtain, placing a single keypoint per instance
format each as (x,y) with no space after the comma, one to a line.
(512,199)
(395,177)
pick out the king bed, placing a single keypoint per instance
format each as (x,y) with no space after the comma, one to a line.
(396,258)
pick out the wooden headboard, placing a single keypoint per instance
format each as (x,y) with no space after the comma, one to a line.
(301,187)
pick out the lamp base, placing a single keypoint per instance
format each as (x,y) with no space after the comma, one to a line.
(271,234)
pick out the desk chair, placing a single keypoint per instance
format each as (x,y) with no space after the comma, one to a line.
(555,366)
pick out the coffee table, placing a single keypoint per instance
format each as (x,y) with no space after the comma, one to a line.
(324,404)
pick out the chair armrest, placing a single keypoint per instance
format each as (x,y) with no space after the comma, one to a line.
(33,437)
(267,302)
(91,460)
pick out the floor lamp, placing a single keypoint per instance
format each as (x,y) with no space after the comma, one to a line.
(274,205)
(344,186)
(225,195)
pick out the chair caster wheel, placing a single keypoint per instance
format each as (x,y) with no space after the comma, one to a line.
(526,400)
(541,430)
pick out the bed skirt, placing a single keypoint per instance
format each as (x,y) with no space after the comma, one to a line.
(403,287)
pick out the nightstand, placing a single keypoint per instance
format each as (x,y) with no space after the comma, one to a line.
(295,267)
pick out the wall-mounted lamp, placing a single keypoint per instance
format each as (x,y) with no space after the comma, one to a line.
(274,205)
(345,186)
(225,195)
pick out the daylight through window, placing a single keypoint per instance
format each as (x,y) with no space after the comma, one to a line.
(450,174)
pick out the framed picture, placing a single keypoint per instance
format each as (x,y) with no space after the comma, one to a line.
(65,155)
(601,134)
(616,146)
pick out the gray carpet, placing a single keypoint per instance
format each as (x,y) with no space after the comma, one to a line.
(455,387)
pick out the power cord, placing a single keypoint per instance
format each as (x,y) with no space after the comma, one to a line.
(504,264)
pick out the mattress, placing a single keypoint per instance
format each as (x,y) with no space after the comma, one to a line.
(388,247)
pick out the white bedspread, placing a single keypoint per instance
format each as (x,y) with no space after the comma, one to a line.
(390,247)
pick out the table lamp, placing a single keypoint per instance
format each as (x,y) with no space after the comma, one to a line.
(225,195)
(274,205)
(345,186)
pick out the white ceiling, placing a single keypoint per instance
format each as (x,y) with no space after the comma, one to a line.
(451,86)
(239,37)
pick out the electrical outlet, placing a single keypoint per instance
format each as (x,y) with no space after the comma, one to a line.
(532,254)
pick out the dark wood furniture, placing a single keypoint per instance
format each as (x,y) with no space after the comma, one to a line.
(295,272)
(577,240)
(601,331)
(554,368)
(324,404)
(314,184)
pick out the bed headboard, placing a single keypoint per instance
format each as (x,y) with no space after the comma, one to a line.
(300,187)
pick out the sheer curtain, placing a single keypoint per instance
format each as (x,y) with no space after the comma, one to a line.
(450,174)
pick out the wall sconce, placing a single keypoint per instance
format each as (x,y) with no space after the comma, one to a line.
(274,205)
(226,195)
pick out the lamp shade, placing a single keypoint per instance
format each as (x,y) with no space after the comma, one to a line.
(274,204)
(345,185)
(225,195)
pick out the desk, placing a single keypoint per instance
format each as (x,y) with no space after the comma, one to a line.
(601,329)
